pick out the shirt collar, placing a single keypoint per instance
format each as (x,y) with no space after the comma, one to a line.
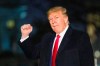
(63,32)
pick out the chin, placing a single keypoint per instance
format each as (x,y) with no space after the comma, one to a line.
(57,32)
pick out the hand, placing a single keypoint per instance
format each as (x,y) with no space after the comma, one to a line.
(26,29)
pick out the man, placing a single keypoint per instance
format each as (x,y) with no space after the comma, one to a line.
(73,49)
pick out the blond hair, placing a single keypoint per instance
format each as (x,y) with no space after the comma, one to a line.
(56,9)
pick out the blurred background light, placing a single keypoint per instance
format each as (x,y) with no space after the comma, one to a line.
(23,15)
(97,54)
(10,24)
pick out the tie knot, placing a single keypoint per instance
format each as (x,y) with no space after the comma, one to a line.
(58,36)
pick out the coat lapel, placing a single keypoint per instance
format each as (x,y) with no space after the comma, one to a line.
(65,39)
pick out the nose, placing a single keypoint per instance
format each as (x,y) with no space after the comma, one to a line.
(53,21)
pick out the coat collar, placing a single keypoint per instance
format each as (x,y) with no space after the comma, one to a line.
(65,39)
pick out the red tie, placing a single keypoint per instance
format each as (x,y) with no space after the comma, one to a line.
(54,53)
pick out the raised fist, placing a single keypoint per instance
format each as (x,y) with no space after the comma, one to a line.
(26,29)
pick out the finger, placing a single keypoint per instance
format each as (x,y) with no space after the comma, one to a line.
(26,27)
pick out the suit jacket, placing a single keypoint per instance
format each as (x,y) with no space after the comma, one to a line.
(75,49)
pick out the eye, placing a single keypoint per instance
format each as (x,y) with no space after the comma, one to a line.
(50,19)
(56,17)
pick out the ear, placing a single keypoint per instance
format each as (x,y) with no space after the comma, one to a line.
(66,19)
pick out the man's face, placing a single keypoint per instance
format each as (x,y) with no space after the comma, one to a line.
(58,21)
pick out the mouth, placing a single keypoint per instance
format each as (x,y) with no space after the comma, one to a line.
(55,26)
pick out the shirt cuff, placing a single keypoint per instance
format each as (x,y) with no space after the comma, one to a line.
(23,39)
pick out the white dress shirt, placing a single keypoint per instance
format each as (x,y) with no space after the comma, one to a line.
(61,37)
